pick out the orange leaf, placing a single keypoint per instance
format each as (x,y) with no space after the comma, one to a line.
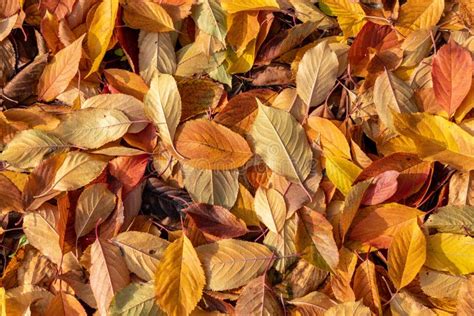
(452,76)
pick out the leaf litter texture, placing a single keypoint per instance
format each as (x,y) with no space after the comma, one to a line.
(257,157)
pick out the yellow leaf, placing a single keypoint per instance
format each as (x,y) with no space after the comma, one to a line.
(244,207)
(406,254)
(330,136)
(270,207)
(317,74)
(100,32)
(3,303)
(433,138)
(341,172)
(148,16)
(179,278)
(233,6)
(281,142)
(163,106)
(58,74)
(92,127)
(350,15)
(241,62)
(64,304)
(450,252)
(419,14)
(231,263)
(208,145)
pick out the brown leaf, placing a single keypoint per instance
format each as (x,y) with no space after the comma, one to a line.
(257,298)
(216,220)
(23,85)
(10,196)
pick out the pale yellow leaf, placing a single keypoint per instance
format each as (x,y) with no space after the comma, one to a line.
(142,252)
(135,299)
(281,142)
(92,127)
(94,205)
(77,170)
(40,229)
(60,71)
(270,207)
(218,187)
(283,244)
(244,207)
(179,278)
(157,54)
(392,94)
(163,106)
(231,263)
(211,18)
(130,106)
(317,74)
(29,148)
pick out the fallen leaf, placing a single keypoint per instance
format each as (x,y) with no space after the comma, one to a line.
(406,254)
(280,141)
(231,263)
(452,76)
(179,278)
(208,145)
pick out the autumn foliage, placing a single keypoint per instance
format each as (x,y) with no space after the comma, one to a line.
(236,157)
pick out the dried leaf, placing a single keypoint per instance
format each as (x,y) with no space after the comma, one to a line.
(280,141)
(231,263)
(179,278)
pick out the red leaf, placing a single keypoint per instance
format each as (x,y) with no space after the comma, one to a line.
(384,186)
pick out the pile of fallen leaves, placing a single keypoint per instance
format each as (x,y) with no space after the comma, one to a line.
(240,157)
